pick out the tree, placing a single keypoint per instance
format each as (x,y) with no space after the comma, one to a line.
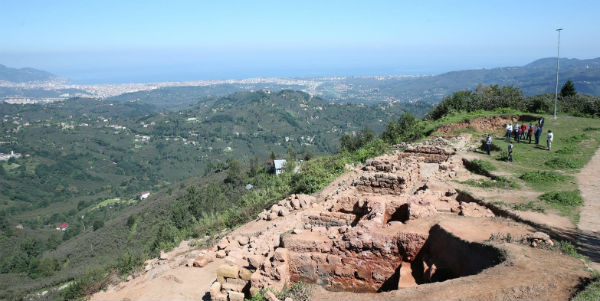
(306,154)
(568,89)
(234,172)
(407,128)
(291,153)
(98,224)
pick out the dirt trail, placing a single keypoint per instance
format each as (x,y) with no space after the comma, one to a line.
(588,234)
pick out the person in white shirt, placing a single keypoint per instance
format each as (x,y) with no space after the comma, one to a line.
(549,139)
(508,131)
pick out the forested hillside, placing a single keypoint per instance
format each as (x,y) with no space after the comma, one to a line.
(84,162)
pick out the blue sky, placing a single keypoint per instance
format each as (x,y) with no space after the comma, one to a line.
(120,41)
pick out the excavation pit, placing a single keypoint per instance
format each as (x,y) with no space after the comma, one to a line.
(366,262)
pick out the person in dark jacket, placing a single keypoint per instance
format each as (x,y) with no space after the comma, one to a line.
(488,143)
(538,133)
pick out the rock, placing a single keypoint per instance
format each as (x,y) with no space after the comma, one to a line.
(332,236)
(215,288)
(129,278)
(270,296)
(295,204)
(540,235)
(218,297)
(221,254)
(234,284)
(222,244)
(550,242)
(307,226)
(243,240)
(255,261)
(245,274)
(272,216)
(281,255)
(163,256)
(235,296)
(228,271)
(288,299)
(283,212)
(200,262)
(296,231)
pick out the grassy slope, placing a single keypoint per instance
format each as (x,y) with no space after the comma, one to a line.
(575,141)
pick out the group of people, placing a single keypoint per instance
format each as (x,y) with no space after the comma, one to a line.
(522,131)
(525,132)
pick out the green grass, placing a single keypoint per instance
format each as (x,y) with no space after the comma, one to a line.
(480,167)
(528,206)
(563,198)
(566,202)
(576,140)
(563,162)
(568,248)
(590,293)
(499,182)
(568,150)
(543,180)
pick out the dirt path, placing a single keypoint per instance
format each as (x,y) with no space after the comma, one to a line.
(588,229)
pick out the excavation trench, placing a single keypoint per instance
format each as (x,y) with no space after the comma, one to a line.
(376,262)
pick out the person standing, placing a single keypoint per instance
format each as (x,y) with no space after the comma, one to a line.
(508,131)
(516,130)
(523,130)
(519,133)
(549,139)
(488,143)
(530,132)
(538,133)
(541,122)
(510,152)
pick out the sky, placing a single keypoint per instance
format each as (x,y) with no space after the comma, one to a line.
(141,41)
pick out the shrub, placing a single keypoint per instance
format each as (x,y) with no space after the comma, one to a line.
(298,291)
(407,128)
(563,198)
(542,177)
(90,282)
(128,262)
(316,174)
(372,149)
(567,248)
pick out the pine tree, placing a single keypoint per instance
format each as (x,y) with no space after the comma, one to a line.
(568,89)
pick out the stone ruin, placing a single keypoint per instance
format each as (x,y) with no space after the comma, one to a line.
(379,232)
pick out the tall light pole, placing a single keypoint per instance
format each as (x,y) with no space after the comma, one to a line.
(557,67)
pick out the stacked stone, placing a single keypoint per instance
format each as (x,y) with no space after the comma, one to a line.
(233,283)
(381,181)
(285,206)
(429,154)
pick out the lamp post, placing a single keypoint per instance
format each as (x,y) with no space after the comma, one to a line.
(557,67)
